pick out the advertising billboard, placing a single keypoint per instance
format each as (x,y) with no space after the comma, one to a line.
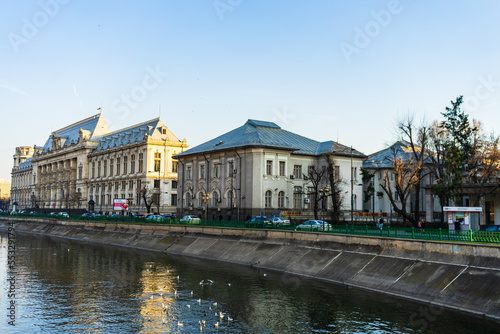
(120,204)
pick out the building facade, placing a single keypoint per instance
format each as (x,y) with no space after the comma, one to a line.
(261,169)
(86,166)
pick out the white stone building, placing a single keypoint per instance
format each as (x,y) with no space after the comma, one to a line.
(261,169)
(86,166)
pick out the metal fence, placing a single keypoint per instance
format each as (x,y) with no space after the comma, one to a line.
(372,231)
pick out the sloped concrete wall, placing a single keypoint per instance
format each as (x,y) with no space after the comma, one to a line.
(461,276)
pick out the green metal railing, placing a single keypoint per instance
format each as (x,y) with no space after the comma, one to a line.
(371,231)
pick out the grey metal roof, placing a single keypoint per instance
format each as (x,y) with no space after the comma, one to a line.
(384,158)
(26,164)
(96,125)
(268,134)
(132,134)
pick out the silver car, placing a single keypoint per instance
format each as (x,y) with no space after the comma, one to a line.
(314,226)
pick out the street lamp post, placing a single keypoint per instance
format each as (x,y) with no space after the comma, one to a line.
(324,196)
(159,190)
(206,197)
(352,194)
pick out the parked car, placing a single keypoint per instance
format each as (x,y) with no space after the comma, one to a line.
(257,221)
(154,218)
(314,226)
(95,214)
(115,215)
(169,215)
(276,222)
(137,215)
(53,213)
(492,228)
(86,215)
(63,215)
(192,219)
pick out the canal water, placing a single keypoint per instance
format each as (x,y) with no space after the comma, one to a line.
(65,286)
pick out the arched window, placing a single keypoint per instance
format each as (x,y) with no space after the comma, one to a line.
(215,199)
(281,199)
(200,200)
(268,198)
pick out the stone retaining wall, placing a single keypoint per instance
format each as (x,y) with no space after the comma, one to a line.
(459,276)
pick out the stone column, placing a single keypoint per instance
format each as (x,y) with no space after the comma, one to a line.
(429,206)
(482,215)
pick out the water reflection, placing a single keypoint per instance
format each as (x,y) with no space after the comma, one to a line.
(68,286)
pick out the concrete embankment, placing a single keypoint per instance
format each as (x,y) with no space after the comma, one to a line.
(459,276)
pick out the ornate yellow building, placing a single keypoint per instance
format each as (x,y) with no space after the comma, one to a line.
(86,166)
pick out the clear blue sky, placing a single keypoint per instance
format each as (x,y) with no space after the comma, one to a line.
(324,69)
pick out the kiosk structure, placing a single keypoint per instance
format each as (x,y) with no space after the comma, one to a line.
(463,218)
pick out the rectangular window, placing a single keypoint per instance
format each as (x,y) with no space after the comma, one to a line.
(297,171)
(174,166)
(157,162)
(131,184)
(125,164)
(141,168)
(215,171)
(282,168)
(354,173)
(337,174)
(297,197)
(202,171)
(188,173)
(157,183)
(111,164)
(105,170)
(132,164)
(173,200)
(93,170)
(117,166)
(269,167)
(98,169)
(174,184)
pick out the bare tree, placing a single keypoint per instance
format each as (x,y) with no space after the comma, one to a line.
(316,176)
(437,140)
(336,183)
(417,138)
(147,197)
(483,167)
(399,186)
